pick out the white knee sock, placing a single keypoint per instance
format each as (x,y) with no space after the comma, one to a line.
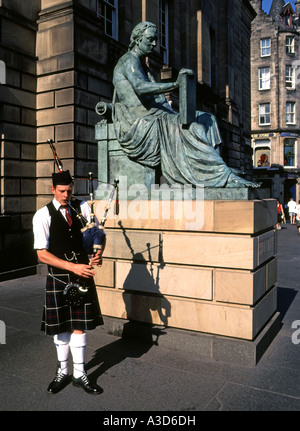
(62,348)
(77,346)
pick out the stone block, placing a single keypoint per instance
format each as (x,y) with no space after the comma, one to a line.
(10,95)
(105,275)
(210,250)
(10,186)
(133,245)
(43,151)
(10,150)
(60,115)
(52,42)
(13,78)
(64,149)
(16,168)
(244,287)
(45,4)
(28,82)
(56,64)
(226,251)
(84,133)
(28,186)
(164,279)
(43,200)
(45,100)
(80,115)
(64,132)
(21,133)
(57,81)
(44,169)
(25,42)
(190,314)
(271,273)
(19,204)
(45,133)
(244,216)
(11,113)
(28,152)
(165,212)
(28,117)
(64,97)
(43,186)
(157,215)
(267,246)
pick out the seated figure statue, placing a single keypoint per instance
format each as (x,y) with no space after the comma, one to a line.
(150,131)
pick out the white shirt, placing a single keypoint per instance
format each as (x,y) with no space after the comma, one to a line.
(292,206)
(298,212)
(42,219)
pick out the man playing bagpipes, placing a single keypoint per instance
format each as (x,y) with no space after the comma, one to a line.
(58,242)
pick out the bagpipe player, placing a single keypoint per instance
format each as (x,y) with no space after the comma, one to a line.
(58,243)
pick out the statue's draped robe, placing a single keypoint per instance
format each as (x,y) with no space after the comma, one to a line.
(151,134)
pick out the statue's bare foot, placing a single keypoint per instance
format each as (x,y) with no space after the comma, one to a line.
(236,182)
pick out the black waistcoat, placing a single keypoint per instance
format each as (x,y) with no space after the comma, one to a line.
(65,241)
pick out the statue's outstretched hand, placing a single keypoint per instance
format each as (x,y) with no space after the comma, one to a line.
(189,72)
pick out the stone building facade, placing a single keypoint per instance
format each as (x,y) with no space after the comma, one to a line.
(59,58)
(275,98)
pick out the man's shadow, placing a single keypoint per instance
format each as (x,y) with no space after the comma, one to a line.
(137,337)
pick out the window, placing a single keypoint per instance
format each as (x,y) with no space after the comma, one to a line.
(290,113)
(262,154)
(290,77)
(264,114)
(290,45)
(289,148)
(108,12)
(264,78)
(164,30)
(288,20)
(265,47)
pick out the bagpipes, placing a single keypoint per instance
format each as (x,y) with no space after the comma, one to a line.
(93,235)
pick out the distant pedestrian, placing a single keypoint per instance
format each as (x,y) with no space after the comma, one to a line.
(280,214)
(298,217)
(292,206)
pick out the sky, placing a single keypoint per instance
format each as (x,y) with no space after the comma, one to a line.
(266,4)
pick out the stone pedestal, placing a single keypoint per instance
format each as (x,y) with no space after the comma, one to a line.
(215,275)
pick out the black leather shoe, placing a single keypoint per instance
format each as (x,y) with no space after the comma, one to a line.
(84,383)
(58,383)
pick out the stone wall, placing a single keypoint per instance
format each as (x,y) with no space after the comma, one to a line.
(18,132)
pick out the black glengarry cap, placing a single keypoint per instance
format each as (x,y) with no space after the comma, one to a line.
(63,178)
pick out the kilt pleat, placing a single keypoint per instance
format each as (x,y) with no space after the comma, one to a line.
(59,317)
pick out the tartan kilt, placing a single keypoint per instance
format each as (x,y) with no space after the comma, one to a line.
(59,317)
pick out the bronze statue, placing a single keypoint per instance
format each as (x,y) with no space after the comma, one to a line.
(149,130)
